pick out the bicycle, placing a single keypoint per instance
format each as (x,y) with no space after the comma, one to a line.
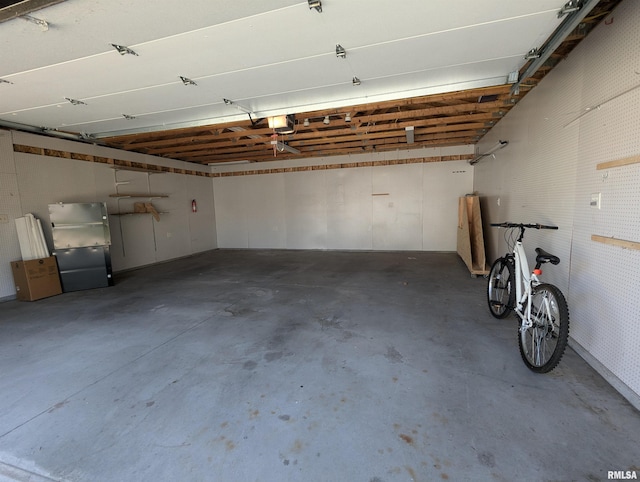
(541,307)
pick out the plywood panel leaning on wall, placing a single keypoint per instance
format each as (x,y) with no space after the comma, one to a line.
(470,236)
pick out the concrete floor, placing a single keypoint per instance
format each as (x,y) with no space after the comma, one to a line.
(295,366)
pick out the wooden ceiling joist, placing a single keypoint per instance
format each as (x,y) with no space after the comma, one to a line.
(309,135)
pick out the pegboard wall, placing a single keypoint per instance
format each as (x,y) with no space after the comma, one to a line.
(605,284)
(584,113)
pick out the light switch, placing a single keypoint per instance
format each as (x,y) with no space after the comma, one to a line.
(595,200)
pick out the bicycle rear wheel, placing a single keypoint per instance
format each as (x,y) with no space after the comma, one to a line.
(543,344)
(500,288)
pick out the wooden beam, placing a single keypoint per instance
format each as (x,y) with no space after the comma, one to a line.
(616,242)
(177,137)
(618,163)
(374,138)
(446,97)
(313,133)
(267,155)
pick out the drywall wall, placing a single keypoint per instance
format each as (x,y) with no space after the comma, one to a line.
(409,206)
(10,209)
(585,112)
(30,182)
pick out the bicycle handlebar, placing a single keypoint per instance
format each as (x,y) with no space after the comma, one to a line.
(521,225)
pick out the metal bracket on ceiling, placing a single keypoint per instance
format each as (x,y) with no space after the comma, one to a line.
(75,101)
(533,54)
(409,132)
(317,4)
(570,6)
(187,81)
(123,50)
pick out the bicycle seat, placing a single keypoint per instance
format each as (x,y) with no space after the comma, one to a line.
(544,257)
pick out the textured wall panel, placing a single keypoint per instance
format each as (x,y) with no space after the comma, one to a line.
(132,236)
(202,225)
(306,210)
(172,231)
(6,153)
(43,181)
(231,215)
(397,207)
(349,208)
(442,185)
(9,206)
(136,245)
(264,201)
(390,207)
(586,111)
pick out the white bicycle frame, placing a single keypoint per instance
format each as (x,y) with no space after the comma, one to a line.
(526,280)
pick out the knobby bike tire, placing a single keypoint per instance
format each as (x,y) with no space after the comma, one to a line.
(543,345)
(501,288)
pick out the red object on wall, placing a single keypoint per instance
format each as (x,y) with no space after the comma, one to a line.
(194,206)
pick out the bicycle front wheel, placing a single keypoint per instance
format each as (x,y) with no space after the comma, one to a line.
(542,345)
(500,288)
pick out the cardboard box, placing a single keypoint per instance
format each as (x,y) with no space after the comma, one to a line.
(36,278)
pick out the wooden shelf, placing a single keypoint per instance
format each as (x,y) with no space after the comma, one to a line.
(623,243)
(131,213)
(140,195)
(618,163)
(76,226)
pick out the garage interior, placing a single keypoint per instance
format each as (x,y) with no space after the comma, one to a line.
(295,308)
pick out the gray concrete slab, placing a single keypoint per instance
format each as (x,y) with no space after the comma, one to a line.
(295,365)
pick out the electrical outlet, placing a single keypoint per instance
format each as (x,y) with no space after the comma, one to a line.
(596,199)
(4,218)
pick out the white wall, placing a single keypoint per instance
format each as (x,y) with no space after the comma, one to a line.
(29,183)
(585,112)
(10,206)
(391,207)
